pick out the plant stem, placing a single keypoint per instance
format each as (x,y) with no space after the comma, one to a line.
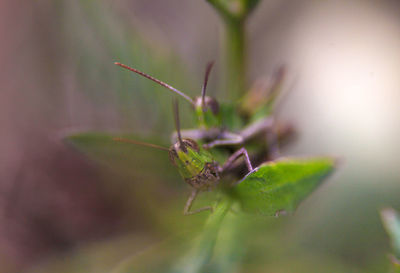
(202,249)
(235,59)
(234,14)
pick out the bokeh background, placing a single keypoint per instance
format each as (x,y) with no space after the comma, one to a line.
(63,212)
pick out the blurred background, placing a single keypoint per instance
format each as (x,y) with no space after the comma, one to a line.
(67,210)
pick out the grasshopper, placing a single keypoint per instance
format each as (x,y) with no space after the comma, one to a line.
(209,118)
(196,165)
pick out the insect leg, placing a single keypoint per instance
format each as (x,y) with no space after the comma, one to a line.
(226,138)
(189,202)
(241,152)
(264,126)
(257,127)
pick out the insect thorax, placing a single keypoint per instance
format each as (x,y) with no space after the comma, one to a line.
(207,115)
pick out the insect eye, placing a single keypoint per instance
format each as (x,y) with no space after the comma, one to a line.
(191,143)
(209,103)
(212,104)
(173,155)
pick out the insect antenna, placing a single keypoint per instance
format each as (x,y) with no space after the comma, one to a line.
(140,143)
(203,90)
(177,124)
(173,89)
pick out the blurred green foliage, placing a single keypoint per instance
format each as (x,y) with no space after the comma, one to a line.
(391,221)
(343,238)
(96,36)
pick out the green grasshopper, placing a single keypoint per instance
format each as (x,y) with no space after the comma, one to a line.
(210,120)
(195,164)
(205,107)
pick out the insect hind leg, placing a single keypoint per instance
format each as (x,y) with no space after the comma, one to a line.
(195,134)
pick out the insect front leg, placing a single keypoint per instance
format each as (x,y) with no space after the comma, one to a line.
(189,202)
(241,152)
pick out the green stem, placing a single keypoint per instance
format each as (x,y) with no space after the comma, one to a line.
(202,249)
(235,59)
(234,14)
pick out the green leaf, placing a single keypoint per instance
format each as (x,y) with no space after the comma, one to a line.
(139,177)
(280,186)
(391,222)
(128,160)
